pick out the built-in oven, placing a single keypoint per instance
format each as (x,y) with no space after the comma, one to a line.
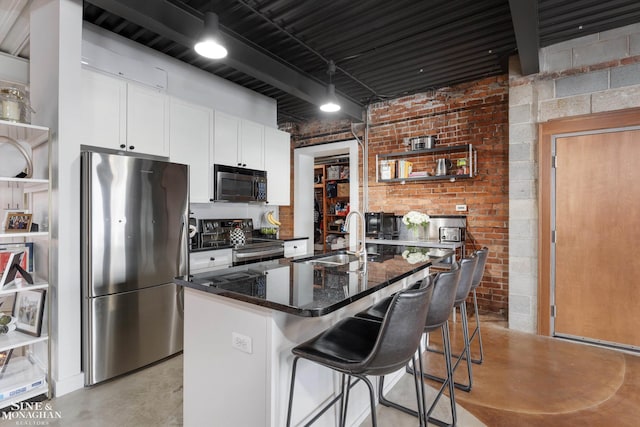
(233,184)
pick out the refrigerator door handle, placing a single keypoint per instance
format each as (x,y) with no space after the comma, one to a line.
(180,300)
(183,259)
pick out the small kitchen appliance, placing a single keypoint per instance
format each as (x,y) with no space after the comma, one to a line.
(233,184)
(381,225)
(443,166)
(422,142)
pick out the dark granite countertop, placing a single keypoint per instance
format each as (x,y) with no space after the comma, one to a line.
(310,289)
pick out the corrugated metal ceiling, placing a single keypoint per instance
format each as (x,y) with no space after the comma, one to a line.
(383,49)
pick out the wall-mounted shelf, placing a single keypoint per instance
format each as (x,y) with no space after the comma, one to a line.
(427,158)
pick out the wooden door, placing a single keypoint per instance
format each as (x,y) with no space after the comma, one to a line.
(597,263)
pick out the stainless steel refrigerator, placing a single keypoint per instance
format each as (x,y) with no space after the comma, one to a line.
(134,242)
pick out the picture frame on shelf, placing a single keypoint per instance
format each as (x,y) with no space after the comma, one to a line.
(8,212)
(11,268)
(27,260)
(28,308)
(17,222)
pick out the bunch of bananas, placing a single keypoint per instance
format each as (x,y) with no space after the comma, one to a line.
(271,220)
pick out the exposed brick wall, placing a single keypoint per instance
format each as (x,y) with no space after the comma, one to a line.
(472,113)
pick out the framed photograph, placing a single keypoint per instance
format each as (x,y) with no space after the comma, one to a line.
(17,222)
(28,308)
(7,212)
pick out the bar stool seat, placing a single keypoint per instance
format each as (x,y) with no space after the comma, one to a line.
(358,347)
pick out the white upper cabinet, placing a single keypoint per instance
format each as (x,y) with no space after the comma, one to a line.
(251,147)
(104,108)
(146,120)
(238,142)
(277,163)
(123,116)
(191,142)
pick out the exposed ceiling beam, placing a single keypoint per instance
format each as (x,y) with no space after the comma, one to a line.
(524,14)
(182,27)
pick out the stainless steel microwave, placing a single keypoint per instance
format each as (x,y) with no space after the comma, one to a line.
(232,184)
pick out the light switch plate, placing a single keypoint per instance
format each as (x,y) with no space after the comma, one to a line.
(461,208)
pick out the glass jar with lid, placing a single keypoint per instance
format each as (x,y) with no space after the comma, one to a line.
(14,105)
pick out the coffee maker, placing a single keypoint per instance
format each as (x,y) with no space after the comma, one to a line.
(381,225)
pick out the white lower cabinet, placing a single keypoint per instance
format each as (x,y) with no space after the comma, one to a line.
(190,142)
(24,341)
(293,248)
(200,262)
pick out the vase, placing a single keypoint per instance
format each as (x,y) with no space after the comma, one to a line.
(419,233)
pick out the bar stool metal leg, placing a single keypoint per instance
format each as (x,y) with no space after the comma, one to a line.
(462,356)
(476,331)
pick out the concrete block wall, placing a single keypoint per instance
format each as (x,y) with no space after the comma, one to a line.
(595,73)
(471,113)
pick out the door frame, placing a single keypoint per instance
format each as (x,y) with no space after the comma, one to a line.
(546,133)
(304,160)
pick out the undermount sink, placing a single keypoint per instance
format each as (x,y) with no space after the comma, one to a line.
(334,260)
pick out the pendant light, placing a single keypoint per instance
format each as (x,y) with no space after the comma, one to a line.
(209,44)
(330,104)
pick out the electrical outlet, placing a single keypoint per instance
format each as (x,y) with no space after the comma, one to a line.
(241,342)
(461,208)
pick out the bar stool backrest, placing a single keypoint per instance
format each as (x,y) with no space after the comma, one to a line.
(467,269)
(400,331)
(444,294)
(479,272)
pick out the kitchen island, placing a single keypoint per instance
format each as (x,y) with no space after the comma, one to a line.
(242,322)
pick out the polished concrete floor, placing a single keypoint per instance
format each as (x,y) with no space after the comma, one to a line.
(525,380)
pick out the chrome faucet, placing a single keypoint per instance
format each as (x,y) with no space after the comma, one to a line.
(362,251)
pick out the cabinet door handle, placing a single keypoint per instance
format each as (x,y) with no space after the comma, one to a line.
(239,164)
(244,164)
(212,258)
(123,146)
(131,147)
(295,247)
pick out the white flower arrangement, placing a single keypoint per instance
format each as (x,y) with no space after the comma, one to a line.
(413,220)
(416,255)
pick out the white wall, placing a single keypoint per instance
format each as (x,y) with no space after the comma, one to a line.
(581,76)
(56,44)
(55,96)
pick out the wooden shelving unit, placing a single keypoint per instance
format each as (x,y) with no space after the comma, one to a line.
(328,203)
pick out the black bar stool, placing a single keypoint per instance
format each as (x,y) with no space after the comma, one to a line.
(444,293)
(358,347)
(467,269)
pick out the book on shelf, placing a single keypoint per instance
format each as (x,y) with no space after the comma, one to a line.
(404,168)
